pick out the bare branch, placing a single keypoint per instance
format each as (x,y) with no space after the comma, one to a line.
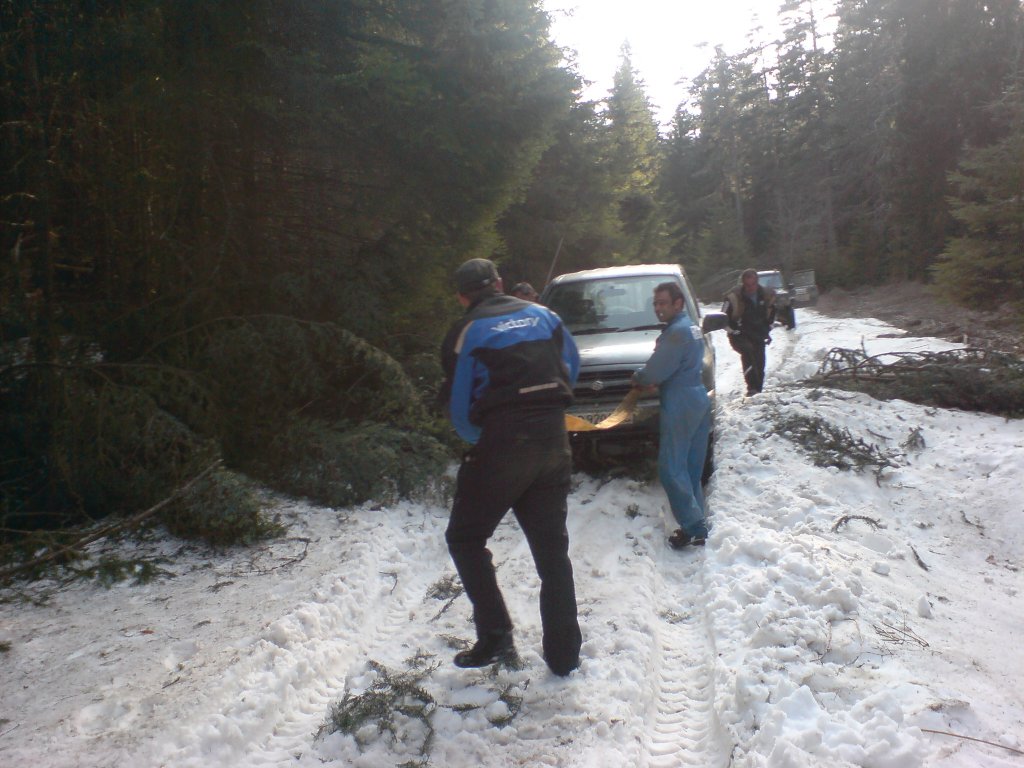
(120,525)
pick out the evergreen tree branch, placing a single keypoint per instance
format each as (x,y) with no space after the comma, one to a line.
(121,525)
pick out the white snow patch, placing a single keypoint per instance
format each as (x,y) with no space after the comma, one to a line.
(790,641)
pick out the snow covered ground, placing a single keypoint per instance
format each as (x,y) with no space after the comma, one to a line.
(835,618)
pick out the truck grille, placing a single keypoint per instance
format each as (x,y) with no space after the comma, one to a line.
(599,387)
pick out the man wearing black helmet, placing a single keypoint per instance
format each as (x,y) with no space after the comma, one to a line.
(510,367)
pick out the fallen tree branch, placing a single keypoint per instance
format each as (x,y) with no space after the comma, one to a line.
(970,379)
(971,738)
(286,562)
(917,557)
(829,445)
(120,525)
(899,635)
(979,526)
(875,524)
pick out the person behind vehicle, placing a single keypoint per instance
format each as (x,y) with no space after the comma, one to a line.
(512,365)
(685,413)
(524,291)
(751,311)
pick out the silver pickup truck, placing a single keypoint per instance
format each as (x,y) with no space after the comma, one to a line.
(610,314)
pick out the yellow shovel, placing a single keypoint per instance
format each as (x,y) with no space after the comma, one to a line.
(626,409)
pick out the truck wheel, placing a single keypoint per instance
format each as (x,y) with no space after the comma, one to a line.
(585,456)
(709,461)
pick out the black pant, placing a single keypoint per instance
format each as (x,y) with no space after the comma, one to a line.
(528,472)
(752,358)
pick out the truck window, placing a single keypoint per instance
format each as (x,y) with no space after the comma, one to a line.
(606,304)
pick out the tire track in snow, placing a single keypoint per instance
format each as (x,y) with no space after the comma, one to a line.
(307,655)
(682,728)
(653,596)
(778,352)
(383,636)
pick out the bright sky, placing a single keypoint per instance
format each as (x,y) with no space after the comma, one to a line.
(670,39)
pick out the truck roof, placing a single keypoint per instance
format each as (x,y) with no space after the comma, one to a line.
(636,270)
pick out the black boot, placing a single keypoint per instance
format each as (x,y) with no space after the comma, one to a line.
(562,669)
(490,649)
(681,539)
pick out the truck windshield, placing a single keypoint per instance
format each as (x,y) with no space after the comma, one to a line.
(606,305)
(770,279)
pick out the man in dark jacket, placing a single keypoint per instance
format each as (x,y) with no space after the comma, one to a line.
(511,366)
(751,311)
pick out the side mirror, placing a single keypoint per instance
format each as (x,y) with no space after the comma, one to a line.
(714,321)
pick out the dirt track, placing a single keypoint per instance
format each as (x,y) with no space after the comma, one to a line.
(913,307)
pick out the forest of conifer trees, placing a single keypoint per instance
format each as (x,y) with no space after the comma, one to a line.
(228,228)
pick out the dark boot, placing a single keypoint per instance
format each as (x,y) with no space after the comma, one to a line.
(681,539)
(562,668)
(490,649)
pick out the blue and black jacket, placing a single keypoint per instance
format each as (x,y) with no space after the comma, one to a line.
(507,360)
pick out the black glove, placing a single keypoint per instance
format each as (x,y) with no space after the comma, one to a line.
(768,340)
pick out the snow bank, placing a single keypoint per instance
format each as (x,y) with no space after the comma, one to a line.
(834,618)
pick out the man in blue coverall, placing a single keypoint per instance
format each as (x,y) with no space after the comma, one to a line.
(511,365)
(685,418)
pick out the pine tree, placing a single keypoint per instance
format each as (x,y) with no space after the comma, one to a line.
(568,217)
(866,87)
(804,222)
(985,265)
(633,157)
(711,155)
(173,169)
(955,56)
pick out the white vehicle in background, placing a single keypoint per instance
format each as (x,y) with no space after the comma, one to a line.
(610,314)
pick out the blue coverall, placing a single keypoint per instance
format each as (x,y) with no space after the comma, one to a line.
(685,420)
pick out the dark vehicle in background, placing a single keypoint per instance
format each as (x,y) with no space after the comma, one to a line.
(785,312)
(803,287)
(610,314)
(798,291)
